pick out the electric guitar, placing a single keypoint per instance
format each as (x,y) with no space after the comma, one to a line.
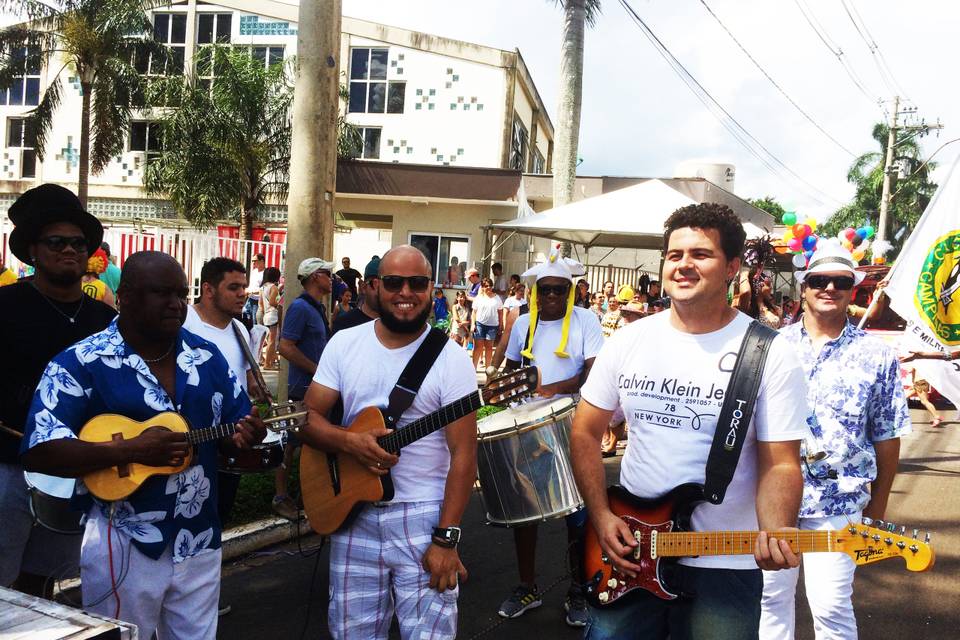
(116,483)
(658,526)
(335,486)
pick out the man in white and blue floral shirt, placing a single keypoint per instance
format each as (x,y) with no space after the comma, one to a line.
(859,414)
(152,559)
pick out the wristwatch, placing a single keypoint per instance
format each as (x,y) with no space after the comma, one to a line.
(448,537)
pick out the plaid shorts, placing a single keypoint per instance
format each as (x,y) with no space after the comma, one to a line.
(375,571)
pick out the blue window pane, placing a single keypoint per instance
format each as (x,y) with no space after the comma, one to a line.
(358,97)
(3,96)
(33,92)
(161,28)
(378,64)
(16,92)
(358,64)
(377,98)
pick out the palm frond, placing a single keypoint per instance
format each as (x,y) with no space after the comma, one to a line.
(42,115)
(591,8)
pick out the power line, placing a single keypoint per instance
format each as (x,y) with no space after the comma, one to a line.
(744,137)
(835,50)
(886,75)
(774,82)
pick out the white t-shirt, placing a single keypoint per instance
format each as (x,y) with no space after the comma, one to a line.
(357,365)
(256,281)
(487,309)
(671,385)
(584,342)
(513,303)
(500,282)
(225,340)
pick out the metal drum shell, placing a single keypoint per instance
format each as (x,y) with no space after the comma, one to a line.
(524,471)
(49,498)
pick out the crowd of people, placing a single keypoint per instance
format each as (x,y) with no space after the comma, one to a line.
(642,362)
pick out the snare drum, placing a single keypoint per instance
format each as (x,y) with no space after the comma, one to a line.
(523,461)
(50,503)
(265,456)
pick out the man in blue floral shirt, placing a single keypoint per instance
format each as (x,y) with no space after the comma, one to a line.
(859,414)
(152,559)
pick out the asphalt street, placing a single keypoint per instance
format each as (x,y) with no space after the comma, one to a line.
(279,593)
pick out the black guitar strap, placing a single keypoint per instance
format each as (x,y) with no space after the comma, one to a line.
(739,402)
(403,393)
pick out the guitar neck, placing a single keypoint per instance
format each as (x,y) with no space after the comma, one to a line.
(199,436)
(422,427)
(731,543)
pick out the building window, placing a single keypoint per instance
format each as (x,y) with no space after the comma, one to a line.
(539,164)
(171,30)
(22,135)
(214,28)
(25,87)
(448,255)
(146,137)
(371,143)
(209,61)
(369,90)
(268,55)
(518,145)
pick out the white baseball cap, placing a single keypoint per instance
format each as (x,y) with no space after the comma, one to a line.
(831,256)
(311,265)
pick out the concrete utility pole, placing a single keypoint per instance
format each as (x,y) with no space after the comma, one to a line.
(888,169)
(313,153)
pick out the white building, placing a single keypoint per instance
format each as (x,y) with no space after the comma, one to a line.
(418,98)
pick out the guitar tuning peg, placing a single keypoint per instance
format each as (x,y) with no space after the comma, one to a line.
(903,530)
(879,524)
(866,521)
(916,532)
(926,538)
(891,527)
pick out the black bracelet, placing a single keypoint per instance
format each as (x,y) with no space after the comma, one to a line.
(446,544)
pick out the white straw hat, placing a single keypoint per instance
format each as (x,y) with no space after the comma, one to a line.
(831,256)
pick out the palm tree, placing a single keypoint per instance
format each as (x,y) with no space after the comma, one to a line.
(226,147)
(97,41)
(910,194)
(577,14)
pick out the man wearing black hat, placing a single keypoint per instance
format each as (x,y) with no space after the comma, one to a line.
(39,319)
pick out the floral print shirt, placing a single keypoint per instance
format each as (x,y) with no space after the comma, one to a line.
(102,374)
(857,399)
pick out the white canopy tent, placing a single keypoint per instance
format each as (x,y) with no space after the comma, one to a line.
(633,217)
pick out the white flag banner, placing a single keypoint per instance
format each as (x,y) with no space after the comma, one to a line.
(925,287)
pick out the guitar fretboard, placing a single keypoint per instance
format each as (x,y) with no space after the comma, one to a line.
(198,436)
(426,425)
(731,543)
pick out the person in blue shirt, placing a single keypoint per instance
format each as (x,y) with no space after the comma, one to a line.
(152,559)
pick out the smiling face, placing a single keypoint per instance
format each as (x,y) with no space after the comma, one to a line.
(62,266)
(829,301)
(695,269)
(404,311)
(552,293)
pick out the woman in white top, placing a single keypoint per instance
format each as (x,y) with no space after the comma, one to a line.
(486,322)
(269,305)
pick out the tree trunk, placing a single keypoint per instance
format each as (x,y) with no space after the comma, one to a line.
(247,213)
(84,168)
(568,112)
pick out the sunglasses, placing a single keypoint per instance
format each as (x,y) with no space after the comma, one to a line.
(553,289)
(840,283)
(417,284)
(59,243)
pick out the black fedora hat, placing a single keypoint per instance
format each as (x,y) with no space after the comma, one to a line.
(45,205)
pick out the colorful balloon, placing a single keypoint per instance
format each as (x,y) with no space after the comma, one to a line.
(789,218)
(870,232)
(787,236)
(812,224)
(849,232)
(856,241)
(858,255)
(798,231)
(810,242)
(861,233)
(795,244)
(799,261)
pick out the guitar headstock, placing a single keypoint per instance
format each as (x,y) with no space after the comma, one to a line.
(286,417)
(510,386)
(867,544)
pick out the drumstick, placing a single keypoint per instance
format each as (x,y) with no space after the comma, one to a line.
(12,432)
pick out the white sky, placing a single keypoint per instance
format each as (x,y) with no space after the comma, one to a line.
(639,119)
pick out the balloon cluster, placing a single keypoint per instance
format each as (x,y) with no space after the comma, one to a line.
(800,238)
(857,241)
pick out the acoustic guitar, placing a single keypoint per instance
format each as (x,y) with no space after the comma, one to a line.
(116,483)
(336,486)
(658,526)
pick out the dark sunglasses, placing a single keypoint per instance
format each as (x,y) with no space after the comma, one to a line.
(59,243)
(417,284)
(840,283)
(552,289)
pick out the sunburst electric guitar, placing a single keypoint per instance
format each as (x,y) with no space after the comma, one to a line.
(335,486)
(116,483)
(658,526)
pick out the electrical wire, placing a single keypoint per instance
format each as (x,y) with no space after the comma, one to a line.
(774,82)
(738,131)
(836,51)
(886,75)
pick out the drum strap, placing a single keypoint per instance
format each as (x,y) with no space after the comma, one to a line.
(735,414)
(248,356)
(403,393)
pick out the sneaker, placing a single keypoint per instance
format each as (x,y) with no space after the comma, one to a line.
(284,507)
(576,607)
(522,599)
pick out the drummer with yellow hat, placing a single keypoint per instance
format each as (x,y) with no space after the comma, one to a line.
(561,340)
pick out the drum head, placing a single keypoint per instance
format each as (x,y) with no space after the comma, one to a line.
(525,415)
(51,485)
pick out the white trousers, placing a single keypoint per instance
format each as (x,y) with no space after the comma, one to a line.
(172,600)
(828,578)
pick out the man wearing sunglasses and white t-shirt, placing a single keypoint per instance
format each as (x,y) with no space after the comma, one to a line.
(860,412)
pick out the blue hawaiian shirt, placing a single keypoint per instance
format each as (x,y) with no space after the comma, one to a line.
(857,399)
(101,374)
